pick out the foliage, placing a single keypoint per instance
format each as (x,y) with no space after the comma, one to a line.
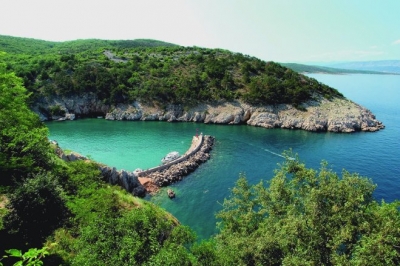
(305,216)
(23,139)
(131,238)
(68,204)
(308,217)
(32,257)
(20,45)
(37,207)
(157,72)
(205,253)
(56,110)
(107,226)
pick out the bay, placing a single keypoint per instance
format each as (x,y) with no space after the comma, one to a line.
(255,152)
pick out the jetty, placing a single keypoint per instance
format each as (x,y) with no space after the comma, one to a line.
(140,182)
(160,176)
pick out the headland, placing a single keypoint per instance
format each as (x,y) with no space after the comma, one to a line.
(335,115)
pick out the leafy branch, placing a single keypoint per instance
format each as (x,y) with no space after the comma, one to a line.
(30,258)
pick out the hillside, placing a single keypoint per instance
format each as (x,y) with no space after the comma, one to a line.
(27,46)
(59,211)
(302,68)
(387,66)
(153,80)
(154,71)
(65,205)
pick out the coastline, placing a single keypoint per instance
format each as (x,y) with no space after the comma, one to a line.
(140,183)
(321,115)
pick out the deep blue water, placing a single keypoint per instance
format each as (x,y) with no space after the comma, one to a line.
(256,152)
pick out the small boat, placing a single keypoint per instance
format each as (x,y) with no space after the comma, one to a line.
(171,193)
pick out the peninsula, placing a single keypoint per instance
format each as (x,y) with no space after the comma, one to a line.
(153,80)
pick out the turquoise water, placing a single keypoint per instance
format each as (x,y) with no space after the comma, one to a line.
(249,150)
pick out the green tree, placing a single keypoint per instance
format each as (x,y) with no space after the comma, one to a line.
(308,217)
(135,237)
(23,138)
(37,207)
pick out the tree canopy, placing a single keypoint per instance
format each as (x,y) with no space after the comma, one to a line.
(307,217)
(67,207)
(303,216)
(156,72)
(23,138)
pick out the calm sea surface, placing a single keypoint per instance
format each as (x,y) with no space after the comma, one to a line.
(249,150)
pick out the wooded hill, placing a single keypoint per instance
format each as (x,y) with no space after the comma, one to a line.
(301,68)
(154,71)
(66,212)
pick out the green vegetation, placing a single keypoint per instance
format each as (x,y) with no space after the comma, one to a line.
(66,207)
(33,257)
(307,217)
(23,144)
(62,213)
(154,72)
(27,46)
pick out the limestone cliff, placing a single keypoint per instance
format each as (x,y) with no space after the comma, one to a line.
(337,115)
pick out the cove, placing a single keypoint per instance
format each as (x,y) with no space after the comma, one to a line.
(256,152)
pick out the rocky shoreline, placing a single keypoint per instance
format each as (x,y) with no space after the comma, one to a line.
(128,180)
(336,115)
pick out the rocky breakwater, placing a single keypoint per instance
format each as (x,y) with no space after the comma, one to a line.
(125,179)
(175,171)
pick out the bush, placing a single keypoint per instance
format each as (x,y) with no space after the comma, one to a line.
(308,217)
(37,207)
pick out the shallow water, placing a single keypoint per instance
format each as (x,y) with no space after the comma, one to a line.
(243,149)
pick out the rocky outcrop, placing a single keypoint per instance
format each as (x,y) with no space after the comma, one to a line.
(337,115)
(127,180)
(72,107)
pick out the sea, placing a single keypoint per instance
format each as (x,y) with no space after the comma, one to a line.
(245,150)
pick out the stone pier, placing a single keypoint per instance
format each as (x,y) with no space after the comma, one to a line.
(174,171)
(150,180)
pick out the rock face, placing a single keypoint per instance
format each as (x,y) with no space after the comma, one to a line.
(337,115)
(127,180)
(73,106)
